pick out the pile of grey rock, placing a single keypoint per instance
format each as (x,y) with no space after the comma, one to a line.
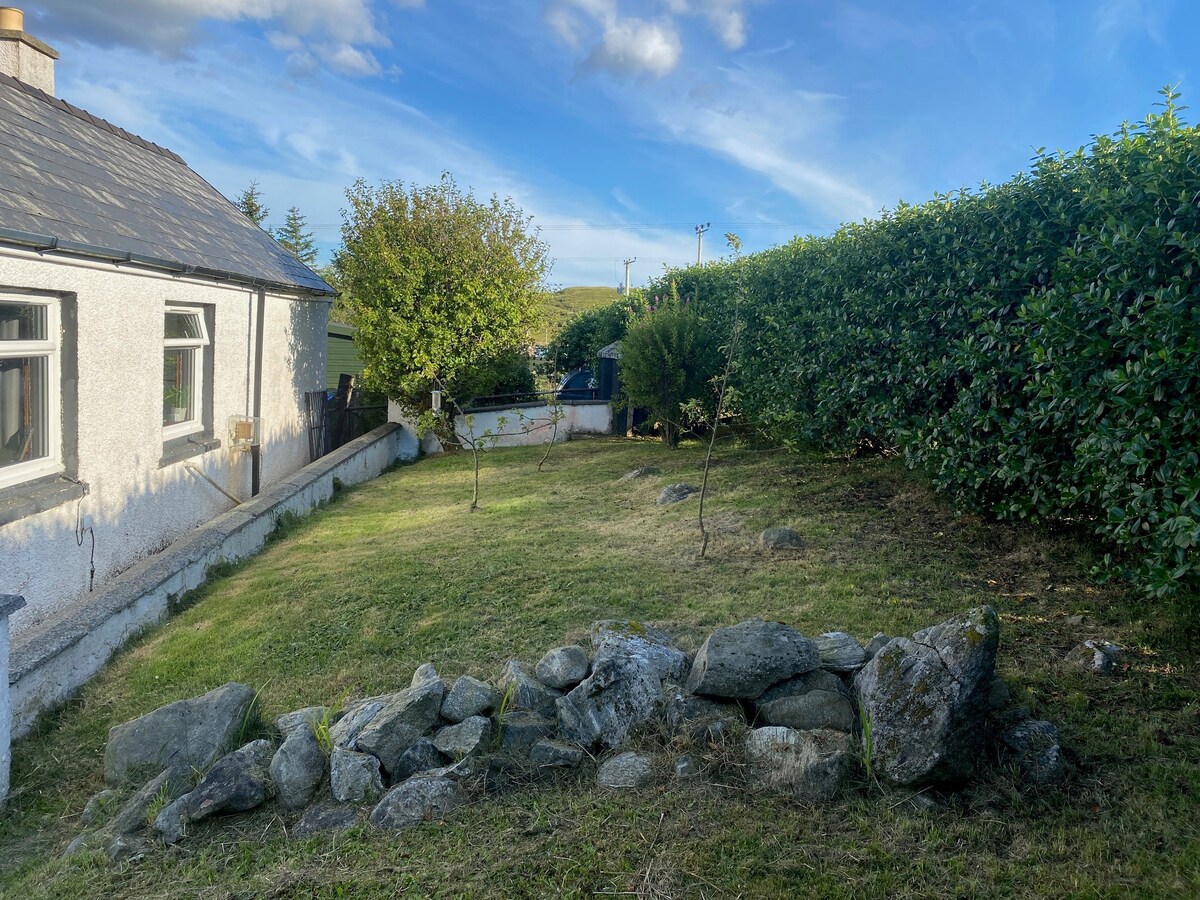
(806,715)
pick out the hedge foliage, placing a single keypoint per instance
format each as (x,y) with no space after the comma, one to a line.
(1034,346)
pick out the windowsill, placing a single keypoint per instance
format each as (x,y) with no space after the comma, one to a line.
(36,496)
(181,448)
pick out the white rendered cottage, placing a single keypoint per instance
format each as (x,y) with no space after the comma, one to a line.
(146,325)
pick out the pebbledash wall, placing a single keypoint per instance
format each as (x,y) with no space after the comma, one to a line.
(140,496)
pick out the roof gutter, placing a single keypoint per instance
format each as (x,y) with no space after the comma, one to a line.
(43,243)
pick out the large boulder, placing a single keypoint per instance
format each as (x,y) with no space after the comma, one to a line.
(406,717)
(423,798)
(626,684)
(469,697)
(925,700)
(469,737)
(420,757)
(354,777)
(297,768)
(353,720)
(742,661)
(524,691)
(811,765)
(563,667)
(240,780)
(191,734)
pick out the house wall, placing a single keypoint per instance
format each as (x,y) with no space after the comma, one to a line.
(137,505)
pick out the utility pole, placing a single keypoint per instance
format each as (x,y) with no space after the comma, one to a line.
(700,229)
(628,263)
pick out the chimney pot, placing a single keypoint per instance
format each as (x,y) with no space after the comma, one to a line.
(23,56)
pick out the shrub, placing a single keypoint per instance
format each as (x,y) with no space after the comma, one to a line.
(668,360)
(586,335)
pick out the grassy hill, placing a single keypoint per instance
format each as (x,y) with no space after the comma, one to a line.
(563,305)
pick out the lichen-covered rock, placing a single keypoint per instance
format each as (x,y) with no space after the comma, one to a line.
(742,661)
(323,817)
(521,729)
(425,672)
(620,694)
(355,718)
(816,680)
(354,777)
(673,493)
(133,814)
(1033,745)
(171,823)
(553,755)
(239,781)
(627,638)
(811,765)
(524,691)
(813,710)
(563,667)
(423,798)
(1096,657)
(468,738)
(778,538)
(628,770)
(840,652)
(926,699)
(297,768)
(407,716)
(469,697)
(421,756)
(685,714)
(190,733)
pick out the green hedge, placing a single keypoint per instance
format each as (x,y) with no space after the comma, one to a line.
(1034,346)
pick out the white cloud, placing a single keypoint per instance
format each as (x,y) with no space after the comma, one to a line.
(635,46)
(630,45)
(336,33)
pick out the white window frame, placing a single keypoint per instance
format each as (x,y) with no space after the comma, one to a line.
(199,345)
(49,348)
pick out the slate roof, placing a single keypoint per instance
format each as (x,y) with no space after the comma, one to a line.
(74,183)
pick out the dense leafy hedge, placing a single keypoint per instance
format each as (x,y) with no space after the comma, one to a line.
(1035,346)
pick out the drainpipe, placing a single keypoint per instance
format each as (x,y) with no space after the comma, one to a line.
(256,450)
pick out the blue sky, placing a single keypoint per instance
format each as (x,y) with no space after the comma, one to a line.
(620,125)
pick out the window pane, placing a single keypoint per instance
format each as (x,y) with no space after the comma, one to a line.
(179,380)
(24,403)
(22,322)
(183,325)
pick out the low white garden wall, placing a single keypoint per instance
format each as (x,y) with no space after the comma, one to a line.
(49,663)
(528,424)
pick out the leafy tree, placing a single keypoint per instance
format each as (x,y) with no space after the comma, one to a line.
(442,283)
(250,202)
(585,335)
(668,361)
(296,238)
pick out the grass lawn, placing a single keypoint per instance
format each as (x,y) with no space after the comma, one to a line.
(562,306)
(397,572)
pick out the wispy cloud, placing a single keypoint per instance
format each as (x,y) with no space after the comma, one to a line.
(334,33)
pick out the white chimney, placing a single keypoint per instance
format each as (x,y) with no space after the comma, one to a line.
(23,56)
